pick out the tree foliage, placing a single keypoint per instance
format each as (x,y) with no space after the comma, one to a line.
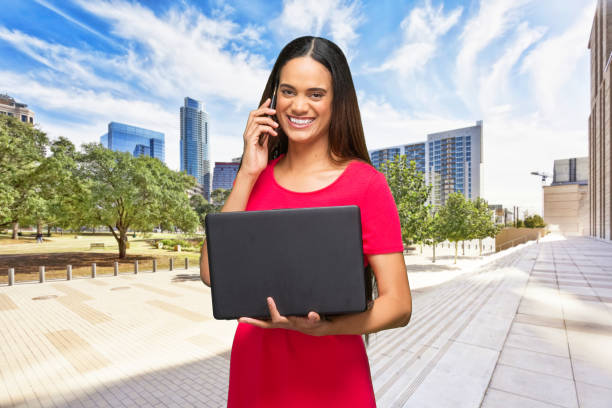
(482,224)
(22,150)
(61,188)
(455,219)
(139,193)
(534,221)
(410,193)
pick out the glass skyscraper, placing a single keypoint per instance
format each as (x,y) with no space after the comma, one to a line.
(135,140)
(451,161)
(194,143)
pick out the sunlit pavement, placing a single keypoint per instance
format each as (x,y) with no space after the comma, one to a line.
(528,327)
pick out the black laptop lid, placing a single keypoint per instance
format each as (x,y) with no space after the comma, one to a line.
(306,259)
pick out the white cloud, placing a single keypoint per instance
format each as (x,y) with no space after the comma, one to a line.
(337,18)
(552,64)
(65,64)
(183,52)
(59,12)
(421,30)
(494,18)
(494,86)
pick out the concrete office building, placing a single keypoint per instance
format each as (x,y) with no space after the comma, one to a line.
(451,161)
(566,203)
(600,123)
(9,107)
(224,175)
(135,140)
(195,143)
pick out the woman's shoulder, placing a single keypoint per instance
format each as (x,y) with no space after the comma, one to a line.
(365,172)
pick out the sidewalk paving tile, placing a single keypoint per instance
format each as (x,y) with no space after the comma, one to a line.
(535,385)
(501,399)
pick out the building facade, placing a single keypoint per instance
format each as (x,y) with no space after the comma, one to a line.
(451,161)
(135,140)
(566,202)
(224,175)
(600,124)
(195,143)
(9,107)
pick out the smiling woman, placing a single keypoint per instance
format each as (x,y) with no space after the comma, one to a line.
(312,153)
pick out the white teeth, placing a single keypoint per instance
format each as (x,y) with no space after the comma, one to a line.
(300,121)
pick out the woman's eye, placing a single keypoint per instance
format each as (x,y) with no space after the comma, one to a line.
(317,95)
(287,92)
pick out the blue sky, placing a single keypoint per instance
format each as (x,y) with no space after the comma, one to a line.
(521,66)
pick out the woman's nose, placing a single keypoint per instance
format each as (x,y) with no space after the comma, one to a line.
(299,105)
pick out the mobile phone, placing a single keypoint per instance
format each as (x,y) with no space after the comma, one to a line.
(272,106)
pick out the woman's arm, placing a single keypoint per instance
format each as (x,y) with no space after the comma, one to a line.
(391,309)
(254,161)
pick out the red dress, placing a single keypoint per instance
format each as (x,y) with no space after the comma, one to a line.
(285,368)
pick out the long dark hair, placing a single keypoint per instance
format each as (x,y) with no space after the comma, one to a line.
(346,138)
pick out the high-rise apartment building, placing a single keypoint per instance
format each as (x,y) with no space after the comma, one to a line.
(9,107)
(135,140)
(600,123)
(451,161)
(195,143)
(454,159)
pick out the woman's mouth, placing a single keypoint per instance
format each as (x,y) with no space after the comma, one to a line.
(299,123)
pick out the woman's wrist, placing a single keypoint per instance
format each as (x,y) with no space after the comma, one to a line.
(246,178)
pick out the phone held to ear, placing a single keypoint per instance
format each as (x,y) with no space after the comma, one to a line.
(272,106)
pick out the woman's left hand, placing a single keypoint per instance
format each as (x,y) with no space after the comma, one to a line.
(312,324)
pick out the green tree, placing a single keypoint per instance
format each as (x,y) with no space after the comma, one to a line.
(218,198)
(435,232)
(410,193)
(201,207)
(534,221)
(125,193)
(482,225)
(22,149)
(455,219)
(61,188)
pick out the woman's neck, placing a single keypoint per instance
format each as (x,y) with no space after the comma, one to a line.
(308,157)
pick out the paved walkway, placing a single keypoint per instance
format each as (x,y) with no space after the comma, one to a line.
(532,328)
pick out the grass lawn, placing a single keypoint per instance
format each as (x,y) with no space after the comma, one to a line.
(57,251)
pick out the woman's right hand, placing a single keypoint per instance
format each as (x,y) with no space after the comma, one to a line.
(259,125)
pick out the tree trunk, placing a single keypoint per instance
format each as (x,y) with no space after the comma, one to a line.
(122,244)
(421,249)
(480,246)
(121,240)
(456,249)
(434,253)
(48,230)
(15,230)
(463,248)
(39,228)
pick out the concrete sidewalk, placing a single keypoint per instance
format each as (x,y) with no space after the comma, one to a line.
(532,327)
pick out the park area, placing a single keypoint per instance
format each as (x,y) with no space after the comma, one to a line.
(80,251)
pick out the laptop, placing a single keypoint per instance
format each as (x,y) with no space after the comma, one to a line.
(306,259)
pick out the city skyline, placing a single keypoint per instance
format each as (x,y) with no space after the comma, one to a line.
(521,66)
